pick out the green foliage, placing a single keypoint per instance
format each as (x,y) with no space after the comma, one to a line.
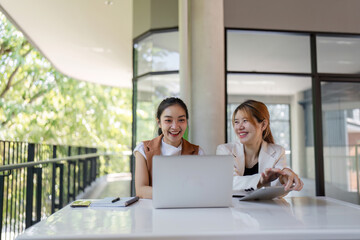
(39,104)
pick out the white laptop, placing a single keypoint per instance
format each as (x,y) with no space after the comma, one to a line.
(190,181)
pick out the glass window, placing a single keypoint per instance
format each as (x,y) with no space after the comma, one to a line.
(268,52)
(280,126)
(157,52)
(284,96)
(156,66)
(341,138)
(261,84)
(338,54)
(151,90)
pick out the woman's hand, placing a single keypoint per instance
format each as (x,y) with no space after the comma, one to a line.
(286,177)
(290,180)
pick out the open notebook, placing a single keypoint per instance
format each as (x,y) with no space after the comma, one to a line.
(192,181)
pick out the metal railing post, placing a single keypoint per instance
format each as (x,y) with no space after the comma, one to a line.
(1,203)
(55,205)
(97,165)
(61,187)
(71,180)
(90,175)
(85,171)
(71,191)
(74,180)
(38,172)
(53,182)
(93,165)
(80,162)
(68,175)
(29,186)
(92,168)
(71,194)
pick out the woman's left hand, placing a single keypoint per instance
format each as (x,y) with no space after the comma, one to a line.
(290,179)
(286,177)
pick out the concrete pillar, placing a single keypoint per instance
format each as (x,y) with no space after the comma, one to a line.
(204,65)
(185,58)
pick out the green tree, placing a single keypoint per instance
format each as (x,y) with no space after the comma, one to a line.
(39,104)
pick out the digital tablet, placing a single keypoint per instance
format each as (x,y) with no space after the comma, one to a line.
(264,193)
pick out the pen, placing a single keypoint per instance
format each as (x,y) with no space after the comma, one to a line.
(115,200)
(131,201)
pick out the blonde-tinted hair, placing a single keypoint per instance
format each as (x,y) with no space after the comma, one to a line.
(256,110)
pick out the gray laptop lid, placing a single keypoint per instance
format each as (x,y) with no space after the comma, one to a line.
(192,181)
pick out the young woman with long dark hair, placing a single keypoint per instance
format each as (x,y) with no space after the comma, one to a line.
(172,119)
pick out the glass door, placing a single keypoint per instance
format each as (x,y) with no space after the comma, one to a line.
(341,139)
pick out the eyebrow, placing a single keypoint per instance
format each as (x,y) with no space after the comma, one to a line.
(240,118)
(172,116)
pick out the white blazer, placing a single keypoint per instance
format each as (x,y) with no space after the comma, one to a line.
(270,156)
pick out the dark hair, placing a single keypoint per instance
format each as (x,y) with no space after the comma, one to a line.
(260,112)
(167,102)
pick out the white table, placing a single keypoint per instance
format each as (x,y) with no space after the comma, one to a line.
(288,218)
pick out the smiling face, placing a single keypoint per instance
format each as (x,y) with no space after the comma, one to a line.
(247,128)
(173,124)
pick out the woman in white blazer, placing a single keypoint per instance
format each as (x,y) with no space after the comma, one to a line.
(258,161)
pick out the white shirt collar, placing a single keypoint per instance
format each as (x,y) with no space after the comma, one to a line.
(169,150)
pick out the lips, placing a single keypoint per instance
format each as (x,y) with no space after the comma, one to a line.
(243,134)
(175,134)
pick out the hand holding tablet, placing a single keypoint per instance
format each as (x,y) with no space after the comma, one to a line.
(287,177)
(264,193)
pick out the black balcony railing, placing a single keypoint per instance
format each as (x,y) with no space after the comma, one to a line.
(37,179)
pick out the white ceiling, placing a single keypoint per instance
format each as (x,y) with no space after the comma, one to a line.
(88,40)
(91,40)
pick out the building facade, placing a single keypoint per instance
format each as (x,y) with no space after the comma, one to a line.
(301,58)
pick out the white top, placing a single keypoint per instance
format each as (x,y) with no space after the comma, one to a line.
(270,156)
(166,149)
(288,218)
